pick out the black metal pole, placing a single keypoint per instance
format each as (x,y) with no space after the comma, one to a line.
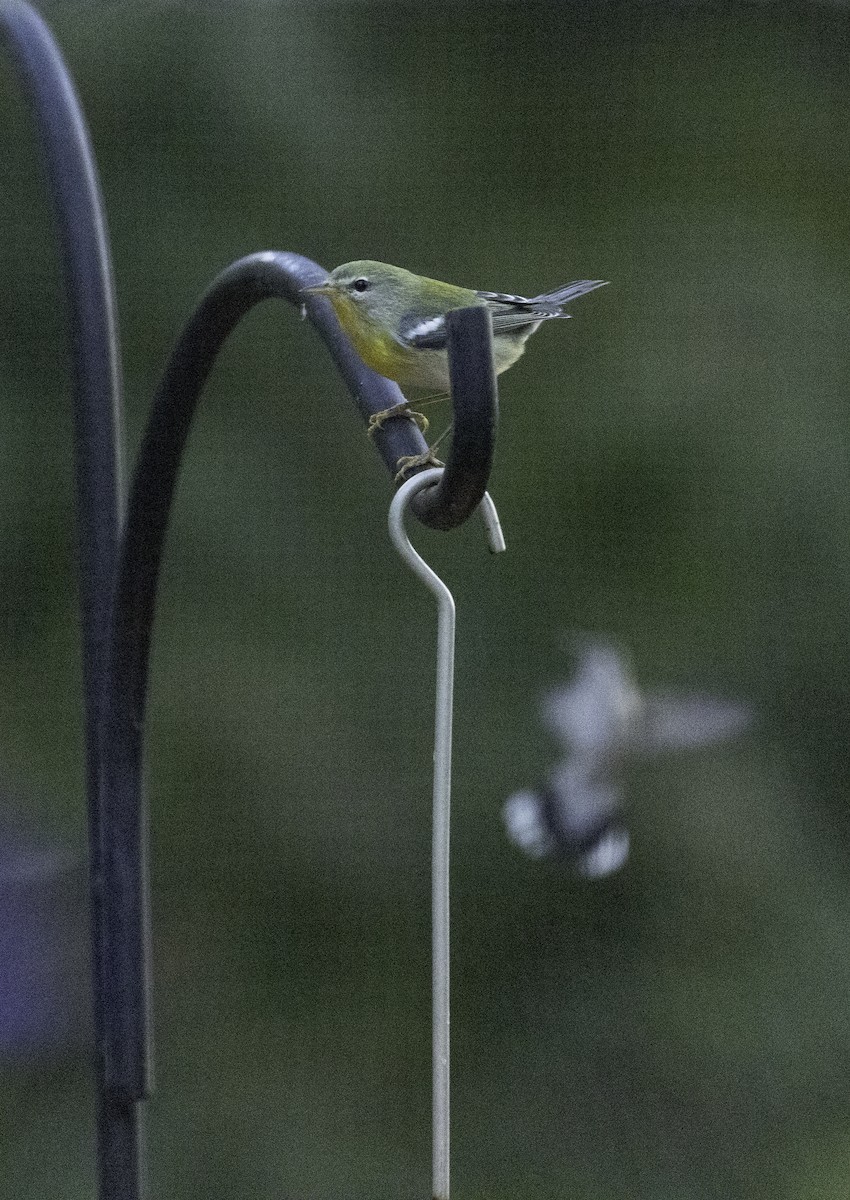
(81,226)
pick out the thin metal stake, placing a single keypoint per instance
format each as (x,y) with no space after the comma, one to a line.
(442,806)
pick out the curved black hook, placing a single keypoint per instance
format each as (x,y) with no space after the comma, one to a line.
(87,270)
(238,288)
(475,406)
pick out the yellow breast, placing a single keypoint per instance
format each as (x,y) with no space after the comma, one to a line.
(380,350)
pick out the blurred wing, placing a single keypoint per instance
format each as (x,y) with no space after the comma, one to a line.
(674,721)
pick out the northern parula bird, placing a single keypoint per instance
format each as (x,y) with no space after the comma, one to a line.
(396,322)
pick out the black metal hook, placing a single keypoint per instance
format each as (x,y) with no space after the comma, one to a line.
(475,407)
(97,394)
(118,583)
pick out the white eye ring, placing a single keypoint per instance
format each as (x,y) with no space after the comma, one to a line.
(360,285)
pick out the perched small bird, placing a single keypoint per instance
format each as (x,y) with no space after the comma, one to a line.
(603,720)
(396,322)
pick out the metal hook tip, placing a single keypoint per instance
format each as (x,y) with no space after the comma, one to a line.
(492,525)
(427,479)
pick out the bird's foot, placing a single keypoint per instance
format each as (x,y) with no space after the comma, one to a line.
(410,462)
(377,420)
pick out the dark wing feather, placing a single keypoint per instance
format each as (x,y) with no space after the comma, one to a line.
(505,298)
(508,312)
(516,312)
(424,333)
(570,291)
(507,317)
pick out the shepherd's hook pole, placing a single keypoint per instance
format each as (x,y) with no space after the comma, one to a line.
(442,806)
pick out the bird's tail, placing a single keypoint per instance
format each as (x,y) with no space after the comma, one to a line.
(570,291)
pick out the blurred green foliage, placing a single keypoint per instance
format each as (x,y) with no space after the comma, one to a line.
(672,471)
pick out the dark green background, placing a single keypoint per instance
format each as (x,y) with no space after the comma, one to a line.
(672,471)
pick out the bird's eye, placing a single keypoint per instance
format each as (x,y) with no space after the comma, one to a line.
(360,285)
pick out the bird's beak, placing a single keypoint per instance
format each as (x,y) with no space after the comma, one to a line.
(318,289)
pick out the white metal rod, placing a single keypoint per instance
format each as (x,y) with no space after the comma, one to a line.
(441,810)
